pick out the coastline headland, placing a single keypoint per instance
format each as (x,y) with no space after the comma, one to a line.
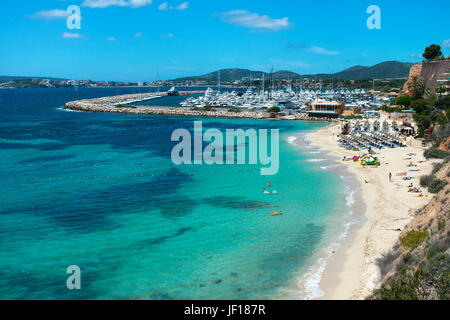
(120,104)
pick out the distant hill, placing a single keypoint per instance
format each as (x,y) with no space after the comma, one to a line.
(12,78)
(384,70)
(229,75)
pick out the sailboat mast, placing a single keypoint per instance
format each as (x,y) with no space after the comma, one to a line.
(218,80)
(263,86)
(271,84)
(157,78)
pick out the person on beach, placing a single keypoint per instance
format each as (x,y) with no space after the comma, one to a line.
(390,177)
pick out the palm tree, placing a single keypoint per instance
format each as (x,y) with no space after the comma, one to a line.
(440,89)
(417,86)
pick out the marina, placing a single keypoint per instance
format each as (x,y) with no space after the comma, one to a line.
(295,100)
(286,104)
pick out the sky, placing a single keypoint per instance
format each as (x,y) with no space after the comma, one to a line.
(135,40)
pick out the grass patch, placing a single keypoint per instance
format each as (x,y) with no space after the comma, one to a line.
(413,239)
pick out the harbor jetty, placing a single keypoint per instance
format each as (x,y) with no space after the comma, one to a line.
(122,104)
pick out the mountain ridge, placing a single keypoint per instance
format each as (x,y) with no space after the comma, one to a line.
(383,70)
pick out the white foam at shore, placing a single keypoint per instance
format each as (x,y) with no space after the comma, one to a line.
(350,199)
(329,167)
(311,280)
(314,276)
(66,110)
(316,160)
(291,140)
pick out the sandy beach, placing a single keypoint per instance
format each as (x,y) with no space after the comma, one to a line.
(352,273)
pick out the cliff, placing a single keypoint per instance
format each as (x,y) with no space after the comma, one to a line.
(429,72)
(418,267)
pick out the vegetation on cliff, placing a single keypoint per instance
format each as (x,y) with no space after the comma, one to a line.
(418,267)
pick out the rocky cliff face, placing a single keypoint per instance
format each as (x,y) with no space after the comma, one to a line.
(429,72)
(415,72)
(418,267)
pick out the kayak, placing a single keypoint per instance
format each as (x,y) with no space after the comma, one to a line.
(278,213)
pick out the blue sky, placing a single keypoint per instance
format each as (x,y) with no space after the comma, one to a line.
(130,40)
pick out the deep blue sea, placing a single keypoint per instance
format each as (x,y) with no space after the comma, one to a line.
(100,191)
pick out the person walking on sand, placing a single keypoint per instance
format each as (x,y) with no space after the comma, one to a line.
(390,177)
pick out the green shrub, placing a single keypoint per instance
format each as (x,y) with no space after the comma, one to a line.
(436,186)
(387,109)
(402,101)
(208,107)
(413,239)
(441,224)
(385,262)
(274,110)
(434,153)
(425,181)
(405,287)
(437,167)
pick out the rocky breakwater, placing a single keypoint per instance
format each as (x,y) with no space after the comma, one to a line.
(116,105)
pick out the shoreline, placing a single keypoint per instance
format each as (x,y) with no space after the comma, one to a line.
(351,272)
(309,281)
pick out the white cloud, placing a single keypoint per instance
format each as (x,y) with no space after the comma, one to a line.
(255,21)
(321,50)
(111,39)
(170,35)
(315,49)
(183,6)
(446,44)
(119,3)
(71,35)
(51,14)
(165,6)
(138,35)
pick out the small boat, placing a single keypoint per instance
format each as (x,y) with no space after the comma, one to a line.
(173,92)
(277,213)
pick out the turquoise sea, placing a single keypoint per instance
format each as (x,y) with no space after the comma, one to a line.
(100,191)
